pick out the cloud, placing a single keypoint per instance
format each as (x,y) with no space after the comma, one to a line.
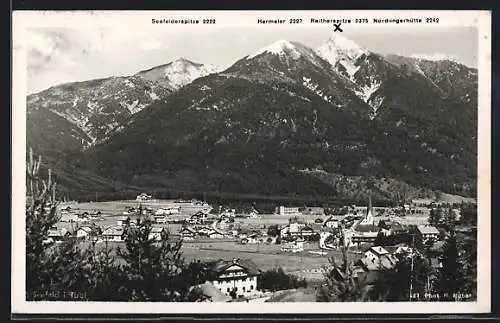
(151,44)
(48,48)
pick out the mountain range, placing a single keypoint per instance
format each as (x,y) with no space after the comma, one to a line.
(286,120)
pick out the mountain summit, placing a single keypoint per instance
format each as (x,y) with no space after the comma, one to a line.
(339,49)
(282,47)
(178,73)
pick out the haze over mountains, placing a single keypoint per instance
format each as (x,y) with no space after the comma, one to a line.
(285,120)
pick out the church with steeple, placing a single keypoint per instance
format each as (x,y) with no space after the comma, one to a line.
(368,219)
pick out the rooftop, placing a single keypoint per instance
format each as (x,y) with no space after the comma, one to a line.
(379,250)
(113,231)
(215,295)
(221,265)
(428,229)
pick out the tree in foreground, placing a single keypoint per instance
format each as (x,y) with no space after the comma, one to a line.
(341,282)
(41,215)
(155,270)
(276,279)
(469,261)
(151,270)
(404,282)
(450,276)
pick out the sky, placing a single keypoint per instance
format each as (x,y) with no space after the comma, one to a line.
(60,55)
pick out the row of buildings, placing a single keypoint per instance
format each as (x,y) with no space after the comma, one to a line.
(95,233)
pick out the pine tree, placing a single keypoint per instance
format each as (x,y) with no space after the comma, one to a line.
(341,283)
(394,284)
(469,261)
(41,215)
(449,279)
(102,277)
(155,271)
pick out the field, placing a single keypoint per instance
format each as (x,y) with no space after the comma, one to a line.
(264,256)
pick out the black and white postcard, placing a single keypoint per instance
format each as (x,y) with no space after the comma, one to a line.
(241,161)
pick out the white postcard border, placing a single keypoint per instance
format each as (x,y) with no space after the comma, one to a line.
(23,20)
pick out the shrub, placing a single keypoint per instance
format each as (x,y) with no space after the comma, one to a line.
(277,279)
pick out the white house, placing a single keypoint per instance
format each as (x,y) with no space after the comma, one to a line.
(155,233)
(282,210)
(255,215)
(292,229)
(403,249)
(113,234)
(143,197)
(83,232)
(293,246)
(238,275)
(216,234)
(374,253)
(428,232)
(377,258)
(187,233)
(331,223)
(160,219)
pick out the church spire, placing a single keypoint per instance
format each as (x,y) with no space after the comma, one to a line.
(369,213)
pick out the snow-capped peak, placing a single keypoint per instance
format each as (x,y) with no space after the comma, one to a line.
(178,72)
(435,57)
(338,48)
(279,47)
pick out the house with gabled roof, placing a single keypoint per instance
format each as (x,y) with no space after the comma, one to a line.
(216,234)
(187,233)
(428,232)
(377,258)
(113,234)
(156,233)
(58,234)
(238,275)
(84,232)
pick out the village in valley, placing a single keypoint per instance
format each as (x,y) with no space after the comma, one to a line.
(240,246)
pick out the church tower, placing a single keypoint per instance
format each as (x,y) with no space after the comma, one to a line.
(369,214)
(368,220)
